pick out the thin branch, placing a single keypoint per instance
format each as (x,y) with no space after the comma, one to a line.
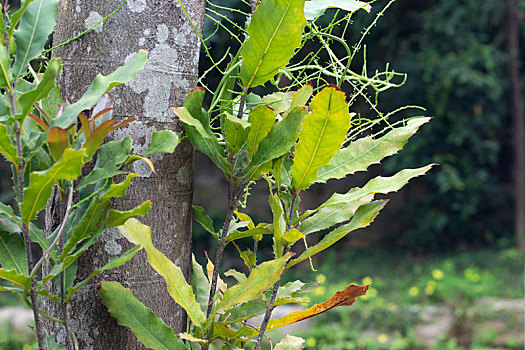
(268,314)
(277,284)
(63,304)
(58,236)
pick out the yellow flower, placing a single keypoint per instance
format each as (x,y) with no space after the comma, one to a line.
(367,280)
(392,307)
(382,338)
(437,274)
(413,291)
(371,292)
(429,289)
(321,278)
(472,275)
(319,290)
(311,342)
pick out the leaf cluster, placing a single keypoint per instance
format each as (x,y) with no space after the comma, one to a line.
(291,138)
(49,143)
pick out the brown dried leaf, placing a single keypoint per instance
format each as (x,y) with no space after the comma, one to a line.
(341,298)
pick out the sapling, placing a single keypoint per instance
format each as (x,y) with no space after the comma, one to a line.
(297,135)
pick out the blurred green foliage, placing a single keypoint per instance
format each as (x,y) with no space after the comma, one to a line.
(454,55)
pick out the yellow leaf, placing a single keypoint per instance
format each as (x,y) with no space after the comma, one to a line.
(220,283)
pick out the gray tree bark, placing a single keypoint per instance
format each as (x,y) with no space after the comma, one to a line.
(514,18)
(161,27)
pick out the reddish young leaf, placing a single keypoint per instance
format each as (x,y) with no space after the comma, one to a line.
(85,124)
(95,139)
(39,121)
(101,113)
(125,122)
(42,113)
(57,142)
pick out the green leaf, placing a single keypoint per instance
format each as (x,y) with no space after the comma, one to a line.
(330,215)
(321,137)
(290,342)
(280,139)
(41,182)
(36,24)
(193,103)
(261,278)
(362,218)
(109,156)
(278,101)
(149,329)
(199,214)
(51,103)
(6,146)
(249,258)
(379,184)
(226,98)
(279,223)
(275,31)
(239,276)
(12,252)
(38,236)
(362,153)
(116,217)
(6,76)
(101,84)
(292,236)
(203,139)
(15,18)
(11,289)
(57,142)
(47,83)
(178,288)
(220,330)
(315,8)
(291,292)
(245,217)
(164,141)
(93,218)
(112,264)
(191,339)
(235,132)
(300,98)
(256,231)
(14,277)
(243,311)
(200,284)
(262,119)
(9,222)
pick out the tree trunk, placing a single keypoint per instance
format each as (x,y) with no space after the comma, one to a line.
(161,27)
(518,118)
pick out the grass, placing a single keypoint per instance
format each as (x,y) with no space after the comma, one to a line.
(403,286)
